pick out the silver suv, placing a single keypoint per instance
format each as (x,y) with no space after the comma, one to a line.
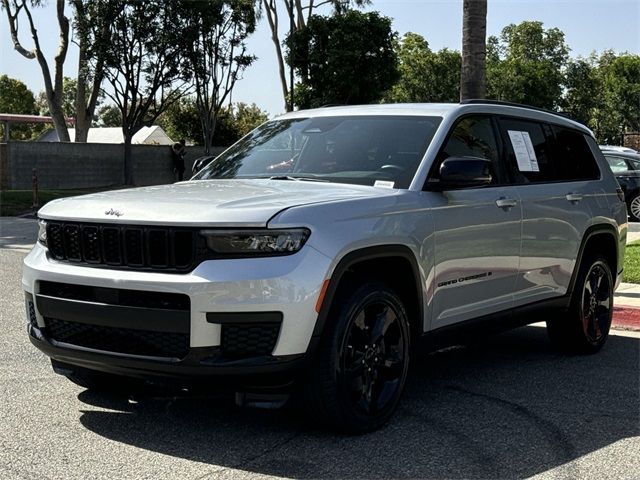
(325,248)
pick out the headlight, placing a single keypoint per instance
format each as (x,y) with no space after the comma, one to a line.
(42,232)
(256,242)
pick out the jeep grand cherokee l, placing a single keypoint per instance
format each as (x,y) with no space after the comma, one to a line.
(326,247)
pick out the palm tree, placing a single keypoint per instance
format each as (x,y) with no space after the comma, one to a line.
(473,83)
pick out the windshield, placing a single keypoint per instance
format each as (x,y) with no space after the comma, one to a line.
(355,149)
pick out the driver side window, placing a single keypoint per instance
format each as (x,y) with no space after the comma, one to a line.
(471,137)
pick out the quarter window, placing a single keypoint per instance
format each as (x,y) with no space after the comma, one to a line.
(573,155)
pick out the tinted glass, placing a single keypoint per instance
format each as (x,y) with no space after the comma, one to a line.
(617,164)
(523,164)
(354,149)
(573,156)
(471,137)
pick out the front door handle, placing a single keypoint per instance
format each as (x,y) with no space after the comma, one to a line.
(573,197)
(506,203)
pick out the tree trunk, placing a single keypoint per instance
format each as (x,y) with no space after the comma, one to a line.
(473,82)
(128,159)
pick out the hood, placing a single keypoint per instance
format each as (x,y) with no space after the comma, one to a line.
(203,202)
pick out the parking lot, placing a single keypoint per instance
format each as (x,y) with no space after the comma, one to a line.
(508,407)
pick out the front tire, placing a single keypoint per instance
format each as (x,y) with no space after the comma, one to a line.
(585,328)
(363,359)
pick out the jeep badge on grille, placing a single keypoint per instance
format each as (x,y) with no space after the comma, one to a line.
(111,211)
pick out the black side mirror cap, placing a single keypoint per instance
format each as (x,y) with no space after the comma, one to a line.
(462,172)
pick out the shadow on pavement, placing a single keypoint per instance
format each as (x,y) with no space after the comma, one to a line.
(509,407)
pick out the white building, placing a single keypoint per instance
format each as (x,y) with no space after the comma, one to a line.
(153,135)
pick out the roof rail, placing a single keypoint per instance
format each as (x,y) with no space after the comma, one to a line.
(473,101)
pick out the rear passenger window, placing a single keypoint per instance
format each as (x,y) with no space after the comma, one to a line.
(554,154)
(573,155)
(528,152)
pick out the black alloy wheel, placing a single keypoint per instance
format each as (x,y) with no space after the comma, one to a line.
(597,303)
(584,327)
(373,357)
(362,362)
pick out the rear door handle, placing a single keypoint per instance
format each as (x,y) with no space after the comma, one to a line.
(503,202)
(573,197)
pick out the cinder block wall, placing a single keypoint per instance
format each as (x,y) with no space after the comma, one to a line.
(86,165)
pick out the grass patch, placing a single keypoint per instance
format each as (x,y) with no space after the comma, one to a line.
(632,263)
(18,202)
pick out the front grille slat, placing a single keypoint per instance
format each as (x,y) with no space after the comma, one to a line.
(168,249)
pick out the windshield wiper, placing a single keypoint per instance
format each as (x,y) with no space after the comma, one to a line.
(297,179)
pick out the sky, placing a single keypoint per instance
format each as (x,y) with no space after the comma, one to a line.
(588,25)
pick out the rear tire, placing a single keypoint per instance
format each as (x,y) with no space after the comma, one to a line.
(585,326)
(362,362)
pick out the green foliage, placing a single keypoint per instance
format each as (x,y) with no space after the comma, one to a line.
(69,89)
(582,84)
(236,121)
(632,263)
(182,120)
(525,65)
(425,76)
(16,98)
(215,54)
(108,116)
(347,58)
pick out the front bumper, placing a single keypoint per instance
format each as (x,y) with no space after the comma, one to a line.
(289,285)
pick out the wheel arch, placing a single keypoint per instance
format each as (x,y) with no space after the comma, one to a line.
(602,239)
(390,259)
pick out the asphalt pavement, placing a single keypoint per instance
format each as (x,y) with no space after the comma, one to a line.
(507,407)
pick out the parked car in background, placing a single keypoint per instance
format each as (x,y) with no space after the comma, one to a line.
(614,148)
(626,168)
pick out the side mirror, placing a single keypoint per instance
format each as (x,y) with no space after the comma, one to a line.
(463,172)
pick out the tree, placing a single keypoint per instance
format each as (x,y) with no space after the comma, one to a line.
(618,108)
(182,120)
(142,64)
(425,76)
(333,74)
(90,21)
(15,97)
(108,116)
(297,13)
(69,99)
(526,65)
(474,34)
(583,89)
(53,84)
(216,53)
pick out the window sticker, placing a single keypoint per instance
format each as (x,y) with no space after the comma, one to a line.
(523,148)
(384,184)
(532,153)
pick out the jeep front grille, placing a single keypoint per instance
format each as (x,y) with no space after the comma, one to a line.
(123,246)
